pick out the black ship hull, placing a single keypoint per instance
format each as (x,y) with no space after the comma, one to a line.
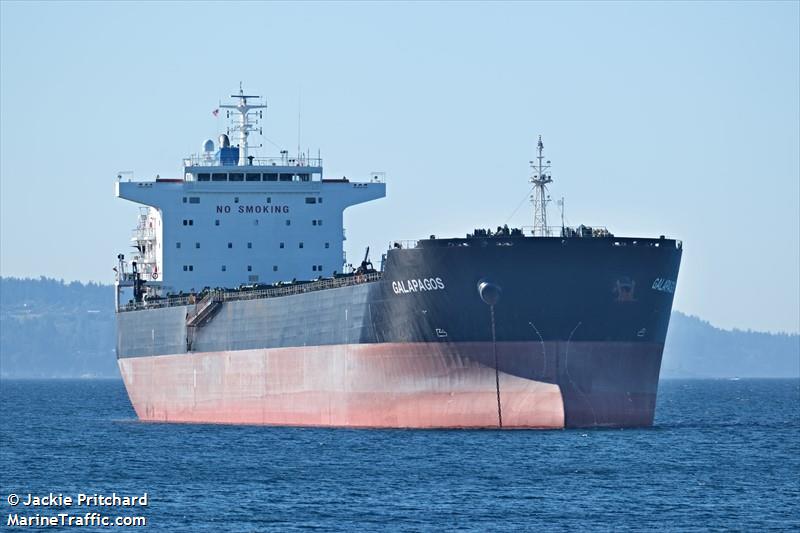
(579,330)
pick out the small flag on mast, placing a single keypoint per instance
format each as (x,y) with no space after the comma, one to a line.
(215,112)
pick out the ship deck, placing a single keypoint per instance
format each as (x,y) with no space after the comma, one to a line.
(228,295)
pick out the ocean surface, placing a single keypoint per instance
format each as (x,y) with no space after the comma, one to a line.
(723,455)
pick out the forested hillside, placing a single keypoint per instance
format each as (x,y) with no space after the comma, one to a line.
(53,329)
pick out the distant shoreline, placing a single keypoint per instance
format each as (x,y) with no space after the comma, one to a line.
(50,329)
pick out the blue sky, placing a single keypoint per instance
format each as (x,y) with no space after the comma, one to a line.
(660,118)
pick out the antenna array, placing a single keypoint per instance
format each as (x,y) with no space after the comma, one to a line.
(540,198)
(248,120)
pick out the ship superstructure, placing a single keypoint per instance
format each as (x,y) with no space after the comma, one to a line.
(240,311)
(232,218)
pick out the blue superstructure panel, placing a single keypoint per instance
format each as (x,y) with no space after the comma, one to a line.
(229,156)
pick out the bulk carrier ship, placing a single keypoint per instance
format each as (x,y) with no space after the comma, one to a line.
(236,307)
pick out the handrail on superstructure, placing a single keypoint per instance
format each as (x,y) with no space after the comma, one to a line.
(196,160)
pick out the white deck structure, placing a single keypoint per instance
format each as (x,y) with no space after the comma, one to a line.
(235,219)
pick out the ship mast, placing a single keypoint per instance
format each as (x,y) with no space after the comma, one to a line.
(540,198)
(245,125)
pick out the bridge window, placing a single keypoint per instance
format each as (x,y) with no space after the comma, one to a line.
(270,177)
(253,177)
(304,177)
(311,200)
(219,177)
(204,177)
(194,199)
(285,177)
(235,176)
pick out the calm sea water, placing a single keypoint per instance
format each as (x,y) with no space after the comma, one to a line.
(723,454)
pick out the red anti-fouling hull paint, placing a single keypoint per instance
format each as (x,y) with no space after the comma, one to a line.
(401,385)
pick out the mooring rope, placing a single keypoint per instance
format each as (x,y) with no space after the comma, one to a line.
(496,372)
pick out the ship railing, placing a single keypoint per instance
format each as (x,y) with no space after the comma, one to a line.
(403,243)
(300,288)
(221,295)
(125,279)
(158,303)
(204,161)
(552,231)
(568,231)
(144,234)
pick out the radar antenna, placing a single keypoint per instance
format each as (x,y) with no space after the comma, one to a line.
(247,120)
(541,177)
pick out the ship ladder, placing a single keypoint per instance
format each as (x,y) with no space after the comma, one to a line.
(202,314)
